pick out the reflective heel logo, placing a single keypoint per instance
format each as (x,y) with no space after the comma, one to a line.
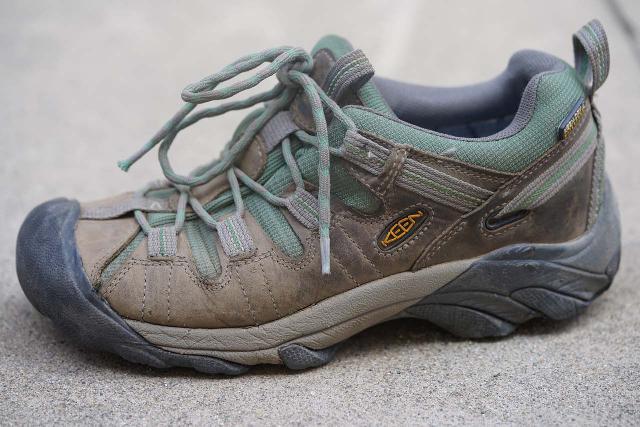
(401,228)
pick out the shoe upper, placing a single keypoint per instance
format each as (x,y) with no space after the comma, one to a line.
(430,175)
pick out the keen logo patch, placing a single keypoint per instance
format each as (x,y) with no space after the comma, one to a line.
(401,229)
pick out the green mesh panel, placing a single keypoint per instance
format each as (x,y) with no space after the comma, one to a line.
(276,178)
(275,160)
(352,192)
(275,225)
(371,97)
(556,95)
(203,248)
(343,186)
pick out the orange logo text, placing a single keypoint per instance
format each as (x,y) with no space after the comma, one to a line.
(401,228)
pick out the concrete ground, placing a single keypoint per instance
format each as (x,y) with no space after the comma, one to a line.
(83,84)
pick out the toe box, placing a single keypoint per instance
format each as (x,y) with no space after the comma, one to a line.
(51,274)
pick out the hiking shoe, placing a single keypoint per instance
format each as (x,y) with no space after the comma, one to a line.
(341,201)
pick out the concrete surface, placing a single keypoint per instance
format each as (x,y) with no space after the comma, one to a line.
(83,84)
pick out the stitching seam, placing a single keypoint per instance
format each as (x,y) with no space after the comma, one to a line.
(144,295)
(266,285)
(448,236)
(344,269)
(250,307)
(169,294)
(340,226)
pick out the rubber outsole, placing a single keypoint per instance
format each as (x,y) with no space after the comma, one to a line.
(515,284)
(492,297)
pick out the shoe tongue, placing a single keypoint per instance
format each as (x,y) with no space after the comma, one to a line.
(345,74)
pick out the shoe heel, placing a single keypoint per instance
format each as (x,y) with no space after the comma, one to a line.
(512,285)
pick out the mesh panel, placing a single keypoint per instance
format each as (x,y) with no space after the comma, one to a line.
(554,98)
(203,248)
(371,97)
(343,186)
(275,160)
(274,223)
(275,178)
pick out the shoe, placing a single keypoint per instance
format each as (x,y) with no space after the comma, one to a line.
(342,200)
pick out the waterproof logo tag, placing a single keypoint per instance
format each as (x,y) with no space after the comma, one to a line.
(573,119)
(401,229)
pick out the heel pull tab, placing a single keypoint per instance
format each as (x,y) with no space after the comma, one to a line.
(591,53)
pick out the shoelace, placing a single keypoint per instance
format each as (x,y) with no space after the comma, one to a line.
(291,66)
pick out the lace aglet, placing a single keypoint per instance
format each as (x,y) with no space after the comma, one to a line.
(127,163)
(325,256)
(124,165)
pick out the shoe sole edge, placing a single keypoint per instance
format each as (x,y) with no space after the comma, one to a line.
(488,296)
(441,294)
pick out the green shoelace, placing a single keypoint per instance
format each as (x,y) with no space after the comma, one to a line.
(291,67)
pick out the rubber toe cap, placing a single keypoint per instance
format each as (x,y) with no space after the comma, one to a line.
(46,256)
(52,277)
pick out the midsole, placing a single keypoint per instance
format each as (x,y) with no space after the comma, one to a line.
(318,326)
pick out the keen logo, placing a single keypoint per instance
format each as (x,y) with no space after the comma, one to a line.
(400,229)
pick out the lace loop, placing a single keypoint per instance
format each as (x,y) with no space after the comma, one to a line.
(291,67)
(206,90)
